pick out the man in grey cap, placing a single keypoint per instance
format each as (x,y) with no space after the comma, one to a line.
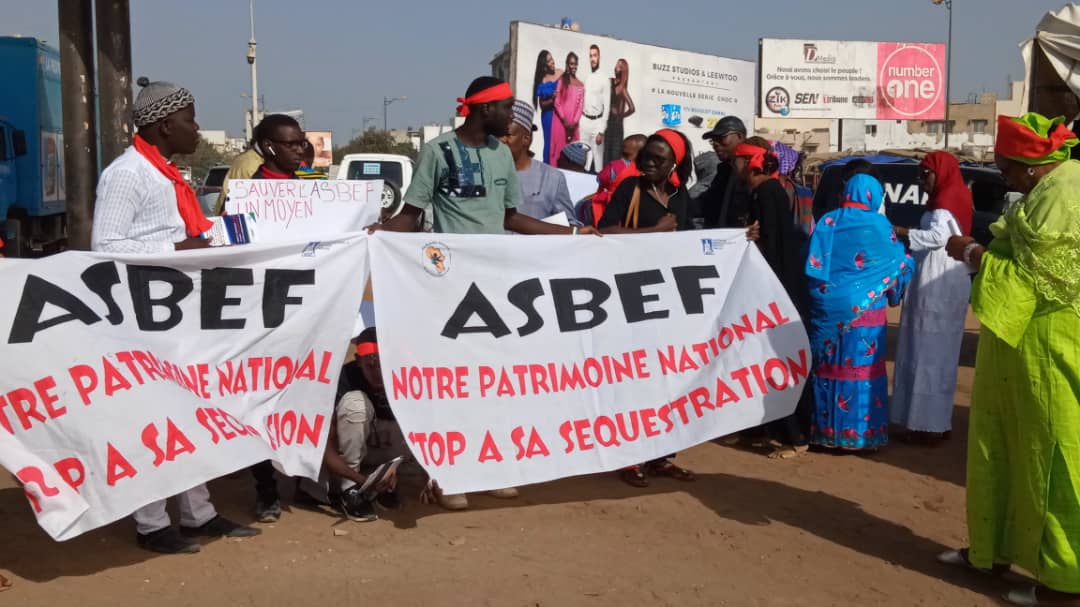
(574,156)
(145,206)
(725,204)
(543,187)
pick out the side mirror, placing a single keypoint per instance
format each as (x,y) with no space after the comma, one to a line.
(18,142)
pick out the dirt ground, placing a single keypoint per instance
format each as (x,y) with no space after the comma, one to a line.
(819,530)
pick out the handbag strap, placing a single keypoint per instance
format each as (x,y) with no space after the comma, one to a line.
(634,210)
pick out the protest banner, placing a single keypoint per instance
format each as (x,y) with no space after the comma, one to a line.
(298,209)
(509,360)
(131,378)
(579,184)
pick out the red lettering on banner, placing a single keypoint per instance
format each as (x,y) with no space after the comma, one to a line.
(759,378)
(604,422)
(430,383)
(699,399)
(117,466)
(3,416)
(150,368)
(306,369)
(743,329)
(764,323)
(741,375)
(309,431)
(535,447)
(664,414)
(72,471)
(85,379)
(679,405)
(506,387)
(724,394)
(484,372)
(127,359)
(24,404)
(634,420)
(798,369)
(435,449)
(489,450)
(648,422)
(327,357)
(114,380)
(771,366)
(287,428)
(176,442)
(34,476)
(777,315)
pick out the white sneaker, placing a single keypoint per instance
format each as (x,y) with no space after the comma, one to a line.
(454,501)
(504,494)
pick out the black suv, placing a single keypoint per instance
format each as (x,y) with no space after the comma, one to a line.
(905,202)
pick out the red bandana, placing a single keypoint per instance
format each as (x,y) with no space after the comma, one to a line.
(678,146)
(367,349)
(195,222)
(494,93)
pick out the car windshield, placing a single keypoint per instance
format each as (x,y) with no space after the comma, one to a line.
(216,177)
(388,170)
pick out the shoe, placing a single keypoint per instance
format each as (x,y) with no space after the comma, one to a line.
(453,501)
(267,512)
(219,526)
(389,500)
(508,493)
(167,541)
(355,506)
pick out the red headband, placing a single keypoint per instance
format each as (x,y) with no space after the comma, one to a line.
(678,146)
(1016,140)
(493,93)
(755,153)
(367,348)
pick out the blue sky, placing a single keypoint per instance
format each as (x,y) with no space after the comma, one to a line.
(337,59)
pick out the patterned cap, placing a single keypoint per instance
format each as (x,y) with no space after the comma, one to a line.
(523,114)
(787,156)
(576,153)
(157,100)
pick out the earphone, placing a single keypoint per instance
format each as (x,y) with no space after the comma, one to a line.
(270,150)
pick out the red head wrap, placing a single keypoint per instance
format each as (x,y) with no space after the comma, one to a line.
(1034,139)
(678,146)
(755,153)
(493,93)
(367,349)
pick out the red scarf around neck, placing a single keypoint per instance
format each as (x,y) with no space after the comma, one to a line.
(195,222)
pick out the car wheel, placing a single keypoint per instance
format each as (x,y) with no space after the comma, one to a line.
(390,199)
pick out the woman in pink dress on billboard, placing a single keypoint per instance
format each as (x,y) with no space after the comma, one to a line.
(569,104)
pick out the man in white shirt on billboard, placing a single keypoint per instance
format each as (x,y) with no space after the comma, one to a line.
(594,117)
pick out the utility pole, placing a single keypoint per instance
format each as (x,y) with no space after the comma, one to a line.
(948,67)
(254,72)
(386,101)
(114,76)
(80,124)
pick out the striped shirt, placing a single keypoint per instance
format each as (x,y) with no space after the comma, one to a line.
(136,209)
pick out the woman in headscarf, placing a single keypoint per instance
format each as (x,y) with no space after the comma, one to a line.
(855,267)
(782,246)
(652,198)
(1023,460)
(932,325)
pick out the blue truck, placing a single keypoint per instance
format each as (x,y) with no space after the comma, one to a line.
(32,197)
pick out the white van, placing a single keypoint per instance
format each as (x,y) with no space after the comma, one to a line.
(395,170)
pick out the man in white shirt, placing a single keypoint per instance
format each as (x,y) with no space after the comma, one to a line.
(594,117)
(145,206)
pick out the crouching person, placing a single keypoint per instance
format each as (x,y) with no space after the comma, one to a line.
(352,429)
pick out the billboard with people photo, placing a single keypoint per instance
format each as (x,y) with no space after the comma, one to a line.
(598,90)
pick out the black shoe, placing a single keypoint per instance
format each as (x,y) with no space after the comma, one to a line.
(389,500)
(355,506)
(267,512)
(167,541)
(219,526)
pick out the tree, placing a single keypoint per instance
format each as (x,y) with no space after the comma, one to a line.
(375,142)
(202,160)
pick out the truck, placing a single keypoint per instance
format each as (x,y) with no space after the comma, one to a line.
(1050,58)
(630,88)
(32,193)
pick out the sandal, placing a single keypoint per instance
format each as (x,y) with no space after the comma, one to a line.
(634,477)
(666,468)
(1027,597)
(959,558)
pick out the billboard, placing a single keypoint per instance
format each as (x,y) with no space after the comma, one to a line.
(324,150)
(601,95)
(861,80)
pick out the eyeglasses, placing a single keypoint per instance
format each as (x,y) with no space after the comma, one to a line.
(298,144)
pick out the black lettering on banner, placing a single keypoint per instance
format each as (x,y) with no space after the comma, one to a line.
(215,287)
(36,293)
(100,278)
(688,280)
(523,296)
(634,299)
(475,302)
(276,293)
(139,280)
(562,291)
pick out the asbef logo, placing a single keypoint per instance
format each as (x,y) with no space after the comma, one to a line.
(436,258)
(809,52)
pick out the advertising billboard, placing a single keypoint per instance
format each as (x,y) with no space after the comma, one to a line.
(598,90)
(861,80)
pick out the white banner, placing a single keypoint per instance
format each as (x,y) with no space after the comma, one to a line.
(511,360)
(845,79)
(128,379)
(287,210)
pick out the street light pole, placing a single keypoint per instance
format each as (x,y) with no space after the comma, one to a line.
(948,67)
(254,74)
(386,101)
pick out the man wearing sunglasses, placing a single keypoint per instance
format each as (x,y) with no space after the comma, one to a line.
(726,203)
(282,145)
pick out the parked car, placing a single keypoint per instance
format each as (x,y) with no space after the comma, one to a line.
(905,201)
(208,192)
(396,172)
